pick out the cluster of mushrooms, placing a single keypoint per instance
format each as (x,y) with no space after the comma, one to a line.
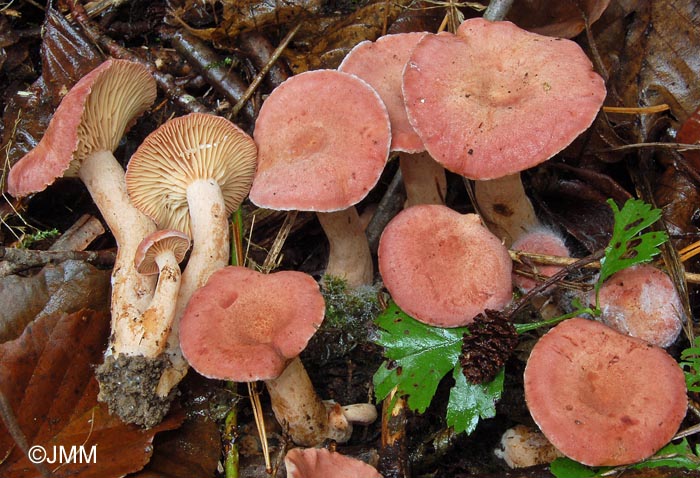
(485,102)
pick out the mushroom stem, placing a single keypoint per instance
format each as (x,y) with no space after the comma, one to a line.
(210,252)
(505,208)
(131,292)
(158,318)
(424,179)
(349,255)
(297,406)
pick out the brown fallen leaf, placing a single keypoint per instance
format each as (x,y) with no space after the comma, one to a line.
(565,18)
(47,377)
(65,287)
(193,450)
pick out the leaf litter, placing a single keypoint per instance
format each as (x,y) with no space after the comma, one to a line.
(647,51)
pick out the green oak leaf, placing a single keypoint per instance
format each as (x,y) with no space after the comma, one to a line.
(469,402)
(419,357)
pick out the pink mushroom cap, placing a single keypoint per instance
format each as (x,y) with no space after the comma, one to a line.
(245,326)
(443,268)
(540,241)
(641,301)
(381,64)
(127,89)
(323,140)
(603,398)
(321,463)
(494,99)
(158,242)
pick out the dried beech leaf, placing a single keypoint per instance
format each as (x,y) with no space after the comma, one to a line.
(192,450)
(240,16)
(47,376)
(66,287)
(679,198)
(563,18)
(66,56)
(328,45)
(658,60)
(575,198)
(689,133)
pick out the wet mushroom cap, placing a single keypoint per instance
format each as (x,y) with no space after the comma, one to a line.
(323,138)
(443,268)
(494,99)
(93,116)
(193,147)
(641,301)
(381,63)
(321,463)
(156,243)
(603,398)
(244,325)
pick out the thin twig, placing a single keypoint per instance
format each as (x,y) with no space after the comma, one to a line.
(183,99)
(273,257)
(672,146)
(261,74)
(23,259)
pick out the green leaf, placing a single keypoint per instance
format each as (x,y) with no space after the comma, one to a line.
(568,468)
(469,402)
(690,363)
(627,246)
(420,356)
(672,456)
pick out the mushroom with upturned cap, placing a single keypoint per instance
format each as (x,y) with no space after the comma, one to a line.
(161,253)
(443,268)
(323,138)
(79,141)
(245,326)
(321,463)
(190,174)
(381,63)
(603,398)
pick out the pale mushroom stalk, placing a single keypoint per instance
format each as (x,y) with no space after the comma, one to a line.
(158,318)
(505,208)
(160,253)
(210,252)
(296,405)
(304,416)
(349,257)
(131,292)
(423,178)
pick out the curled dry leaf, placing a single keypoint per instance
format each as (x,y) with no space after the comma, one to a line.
(564,19)
(47,376)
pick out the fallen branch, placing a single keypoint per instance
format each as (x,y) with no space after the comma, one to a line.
(18,260)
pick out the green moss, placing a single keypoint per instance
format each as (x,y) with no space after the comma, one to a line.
(347,307)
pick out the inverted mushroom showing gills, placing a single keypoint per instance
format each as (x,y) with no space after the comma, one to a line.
(190,175)
(443,268)
(246,326)
(323,138)
(603,398)
(161,253)
(84,131)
